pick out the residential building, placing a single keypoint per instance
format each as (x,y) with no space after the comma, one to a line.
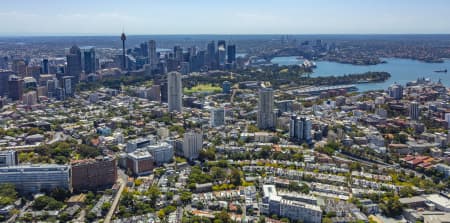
(93,174)
(266,115)
(217,117)
(175,92)
(414,111)
(162,152)
(192,144)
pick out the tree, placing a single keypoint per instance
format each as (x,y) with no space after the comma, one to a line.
(8,194)
(235,177)
(222,217)
(153,192)
(186,196)
(105,207)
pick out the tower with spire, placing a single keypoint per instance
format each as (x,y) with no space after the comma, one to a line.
(123,38)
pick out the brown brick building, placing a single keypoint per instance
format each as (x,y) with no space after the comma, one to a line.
(140,162)
(93,174)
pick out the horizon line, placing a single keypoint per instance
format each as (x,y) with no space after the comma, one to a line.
(208,34)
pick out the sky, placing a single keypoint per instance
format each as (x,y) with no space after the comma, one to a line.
(109,17)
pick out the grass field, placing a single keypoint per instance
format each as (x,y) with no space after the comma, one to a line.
(202,88)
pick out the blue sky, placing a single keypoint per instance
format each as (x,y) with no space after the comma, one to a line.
(41,17)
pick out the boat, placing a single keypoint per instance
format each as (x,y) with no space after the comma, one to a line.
(441,71)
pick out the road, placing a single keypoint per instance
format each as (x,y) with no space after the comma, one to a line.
(22,210)
(58,136)
(123,184)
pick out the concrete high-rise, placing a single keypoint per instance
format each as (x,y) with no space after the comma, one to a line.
(93,174)
(300,129)
(67,86)
(174,92)
(396,91)
(192,144)
(414,111)
(217,117)
(266,114)
(74,67)
(152,55)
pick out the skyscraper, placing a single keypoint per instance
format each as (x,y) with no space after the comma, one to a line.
(152,55)
(45,66)
(192,144)
(175,94)
(231,54)
(211,55)
(89,61)
(4,78)
(266,115)
(414,111)
(74,63)
(15,88)
(124,59)
(221,52)
(178,54)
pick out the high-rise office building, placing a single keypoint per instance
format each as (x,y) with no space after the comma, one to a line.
(192,144)
(217,117)
(414,111)
(15,88)
(93,174)
(4,82)
(74,66)
(144,49)
(211,55)
(231,54)
(45,66)
(20,67)
(178,54)
(153,58)
(89,61)
(174,91)
(221,53)
(266,115)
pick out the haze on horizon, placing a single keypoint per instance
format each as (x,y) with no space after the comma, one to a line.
(109,17)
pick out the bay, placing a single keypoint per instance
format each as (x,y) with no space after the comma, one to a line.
(401,70)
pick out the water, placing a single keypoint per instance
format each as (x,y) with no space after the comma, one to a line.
(401,70)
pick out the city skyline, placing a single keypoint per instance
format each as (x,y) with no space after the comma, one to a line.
(232,17)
